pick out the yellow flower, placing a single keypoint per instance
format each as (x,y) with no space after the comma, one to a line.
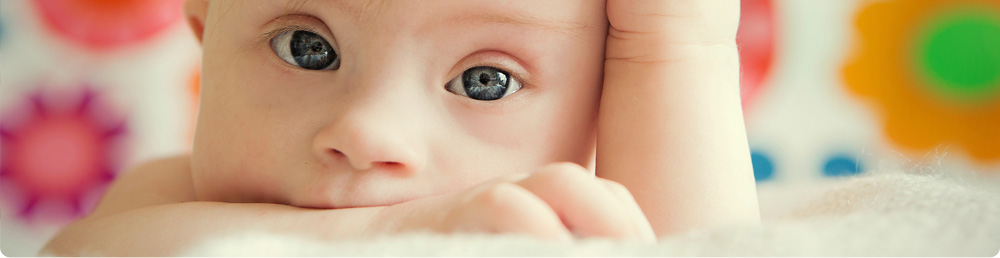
(932,68)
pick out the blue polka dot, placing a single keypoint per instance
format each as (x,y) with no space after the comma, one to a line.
(841,165)
(763,168)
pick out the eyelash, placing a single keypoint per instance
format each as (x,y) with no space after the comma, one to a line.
(502,63)
(266,37)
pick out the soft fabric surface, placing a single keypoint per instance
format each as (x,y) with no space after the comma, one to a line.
(881,214)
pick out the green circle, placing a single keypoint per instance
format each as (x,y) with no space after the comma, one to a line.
(962,55)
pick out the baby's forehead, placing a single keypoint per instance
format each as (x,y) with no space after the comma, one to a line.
(563,16)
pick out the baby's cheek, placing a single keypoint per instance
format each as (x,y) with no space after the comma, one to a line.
(232,157)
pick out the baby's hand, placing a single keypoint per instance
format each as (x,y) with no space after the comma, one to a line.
(557,202)
(650,31)
(671,126)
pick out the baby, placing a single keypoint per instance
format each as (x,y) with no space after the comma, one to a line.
(342,119)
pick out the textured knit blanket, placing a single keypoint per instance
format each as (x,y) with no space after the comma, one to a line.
(880,214)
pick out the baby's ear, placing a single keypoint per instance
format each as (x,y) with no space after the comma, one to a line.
(195,11)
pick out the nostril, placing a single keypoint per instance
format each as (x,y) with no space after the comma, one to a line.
(383,164)
(388,164)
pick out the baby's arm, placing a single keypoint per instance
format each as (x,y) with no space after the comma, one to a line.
(671,126)
(166,230)
(151,212)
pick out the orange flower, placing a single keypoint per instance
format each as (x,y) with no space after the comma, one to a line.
(932,67)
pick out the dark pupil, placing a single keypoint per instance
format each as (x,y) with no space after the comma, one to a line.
(485,83)
(311,51)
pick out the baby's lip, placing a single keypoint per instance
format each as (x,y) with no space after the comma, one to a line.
(381,204)
(338,190)
(374,204)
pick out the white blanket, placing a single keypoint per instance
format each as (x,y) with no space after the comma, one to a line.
(881,214)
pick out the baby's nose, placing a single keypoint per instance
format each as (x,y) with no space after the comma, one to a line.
(362,160)
(367,141)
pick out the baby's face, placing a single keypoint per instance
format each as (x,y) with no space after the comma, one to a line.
(334,104)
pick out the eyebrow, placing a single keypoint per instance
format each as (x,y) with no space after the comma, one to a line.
(509,17)
(520,19)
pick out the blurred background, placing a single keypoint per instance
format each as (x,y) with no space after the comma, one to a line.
(831,89)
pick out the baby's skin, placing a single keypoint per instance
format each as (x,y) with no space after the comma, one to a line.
(339,119)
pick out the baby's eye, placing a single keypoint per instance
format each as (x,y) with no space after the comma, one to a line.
(484,83)
(305,49)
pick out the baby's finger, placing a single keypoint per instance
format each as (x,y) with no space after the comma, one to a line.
(625,197)
(585,206)
(504,207)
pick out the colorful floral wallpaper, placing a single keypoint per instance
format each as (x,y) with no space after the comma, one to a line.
(88,89)
(931,69)
(831,89)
